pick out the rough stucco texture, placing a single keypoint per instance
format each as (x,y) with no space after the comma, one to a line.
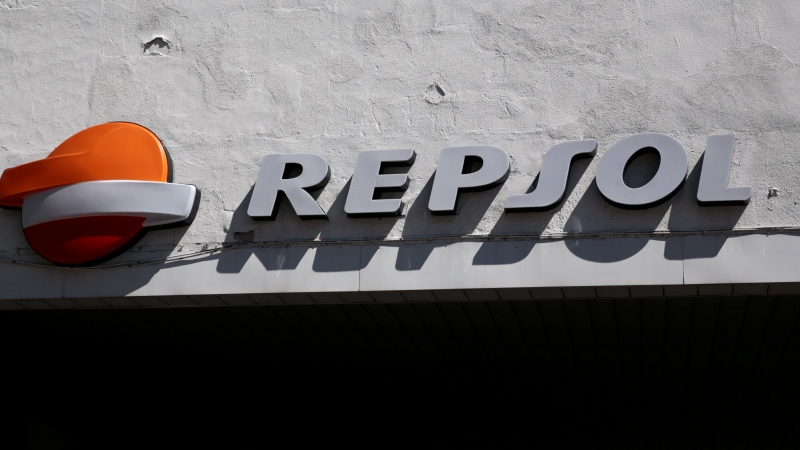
(223,84)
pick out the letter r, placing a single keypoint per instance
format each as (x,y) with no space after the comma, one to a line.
(275,177)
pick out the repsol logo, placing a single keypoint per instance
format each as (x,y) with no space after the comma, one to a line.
(296,175)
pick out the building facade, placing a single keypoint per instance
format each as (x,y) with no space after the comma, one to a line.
(641,291)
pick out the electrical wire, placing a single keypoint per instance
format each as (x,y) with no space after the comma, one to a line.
(224,247)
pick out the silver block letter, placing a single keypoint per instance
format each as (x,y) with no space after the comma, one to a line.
(553,177)
(273,178)
(367,178)
(450,179)
(669,178)
(716,169)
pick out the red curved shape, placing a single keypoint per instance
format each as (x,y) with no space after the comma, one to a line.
(82,240)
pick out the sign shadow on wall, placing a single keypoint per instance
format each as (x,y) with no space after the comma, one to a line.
(327,257)
(594,214)
(136,276)
(688,215)
(421,223)
(525,223)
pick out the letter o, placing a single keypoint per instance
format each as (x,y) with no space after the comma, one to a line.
(669,178)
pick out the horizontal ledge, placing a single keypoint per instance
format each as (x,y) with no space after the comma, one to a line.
(422,296)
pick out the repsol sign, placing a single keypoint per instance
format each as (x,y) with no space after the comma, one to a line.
(106,186)
(297,175)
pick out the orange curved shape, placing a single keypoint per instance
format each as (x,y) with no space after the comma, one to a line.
(111,151)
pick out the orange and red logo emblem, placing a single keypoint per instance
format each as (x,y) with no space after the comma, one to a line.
(97,193)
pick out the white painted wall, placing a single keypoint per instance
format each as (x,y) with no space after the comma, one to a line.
(242,79)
